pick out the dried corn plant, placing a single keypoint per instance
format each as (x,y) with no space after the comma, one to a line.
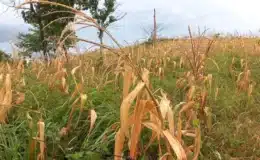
(167,133)
(196,82)
(148,112)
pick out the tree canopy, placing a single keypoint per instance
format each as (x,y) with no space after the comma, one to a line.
(48,22)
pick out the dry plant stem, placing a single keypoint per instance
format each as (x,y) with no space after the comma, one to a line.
(110,36)
(192,45)
(61,18)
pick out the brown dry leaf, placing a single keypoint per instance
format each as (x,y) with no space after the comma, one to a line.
(41,138)
(124,109)
(197,142)
(153,126)
(93,73)
(175,145)
(186,107)
(127,80)
(64,85)
(20,99)
(149,63)
(164,104)
(119,144)
(170,117)
(136,130)
(8,68)
(93,118)
(145,78)
(73,71)
(6,96)
(190,93)
(134,77)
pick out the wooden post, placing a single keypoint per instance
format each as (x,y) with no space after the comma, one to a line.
(154,27)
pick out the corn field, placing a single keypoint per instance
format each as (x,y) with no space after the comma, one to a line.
(184,99)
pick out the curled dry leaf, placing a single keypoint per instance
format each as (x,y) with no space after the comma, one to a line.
(175,145)
(164,105)
(20,99)
(124,109)
(73,71)
(136,130)
(119,145)
(93,118)
(6,98)
(197,142)
(127,80)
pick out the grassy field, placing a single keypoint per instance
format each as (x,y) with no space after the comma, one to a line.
(208,104)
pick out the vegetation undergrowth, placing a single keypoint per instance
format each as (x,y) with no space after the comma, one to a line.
(235,116)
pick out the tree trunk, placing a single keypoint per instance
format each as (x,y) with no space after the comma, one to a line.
(154,28)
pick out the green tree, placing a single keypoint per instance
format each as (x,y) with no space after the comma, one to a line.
(103,14)
(48,22)
(4,56)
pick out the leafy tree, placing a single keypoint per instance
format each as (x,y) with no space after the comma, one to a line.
(4,56)
(48,22)
(103,14)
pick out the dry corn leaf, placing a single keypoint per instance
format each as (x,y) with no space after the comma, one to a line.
(185,108)
(175,145)
(93,118)
(190,93)
(41,139)
(170,117)
(197,142)
(73,71)
(138,113)
(124,109)
(153,126)
(127,80)
(20,99)
(164,104)
(6,97)
(119,145)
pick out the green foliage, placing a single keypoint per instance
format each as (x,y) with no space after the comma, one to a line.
(103,15)
(30,41)
(48,22)
(4,56)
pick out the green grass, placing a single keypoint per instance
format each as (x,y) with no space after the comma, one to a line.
(236,122)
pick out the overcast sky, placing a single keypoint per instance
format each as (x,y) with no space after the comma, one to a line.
(173,15)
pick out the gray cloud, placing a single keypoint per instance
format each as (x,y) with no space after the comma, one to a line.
(10,32)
